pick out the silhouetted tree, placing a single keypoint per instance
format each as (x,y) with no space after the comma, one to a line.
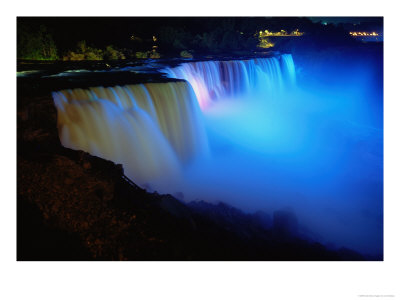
(35,44)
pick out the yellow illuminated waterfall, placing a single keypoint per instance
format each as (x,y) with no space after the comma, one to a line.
(152,129)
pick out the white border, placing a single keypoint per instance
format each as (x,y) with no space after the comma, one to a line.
(198,280)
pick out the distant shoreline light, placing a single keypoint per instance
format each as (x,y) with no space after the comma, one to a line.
(353,33)
(263,36)
(280,33)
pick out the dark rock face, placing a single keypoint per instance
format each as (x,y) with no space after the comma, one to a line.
(38,241)
(285,222)
(74,206)
(263,219)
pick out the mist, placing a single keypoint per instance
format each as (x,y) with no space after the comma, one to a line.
(264,134)
(315,149)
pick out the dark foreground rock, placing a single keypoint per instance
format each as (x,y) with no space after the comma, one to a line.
(73,206)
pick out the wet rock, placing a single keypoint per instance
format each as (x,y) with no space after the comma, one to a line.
(285,222)
(68,181)
(86,165)
(263,219)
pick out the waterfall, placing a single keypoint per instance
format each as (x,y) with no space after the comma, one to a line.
(312,149)
(288,68)
(155,129)
(212,80)
(152,129)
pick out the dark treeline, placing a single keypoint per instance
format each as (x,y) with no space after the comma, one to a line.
(98,38)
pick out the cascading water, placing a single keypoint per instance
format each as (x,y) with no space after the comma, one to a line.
(153,128)
(212,80)
(150,128)
(258,141)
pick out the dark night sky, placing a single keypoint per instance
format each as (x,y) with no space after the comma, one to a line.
(337,20)
(103,31)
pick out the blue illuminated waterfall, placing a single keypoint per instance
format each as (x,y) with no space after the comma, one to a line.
(212,80)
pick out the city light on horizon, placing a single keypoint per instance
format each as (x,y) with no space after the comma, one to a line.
(353,33)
